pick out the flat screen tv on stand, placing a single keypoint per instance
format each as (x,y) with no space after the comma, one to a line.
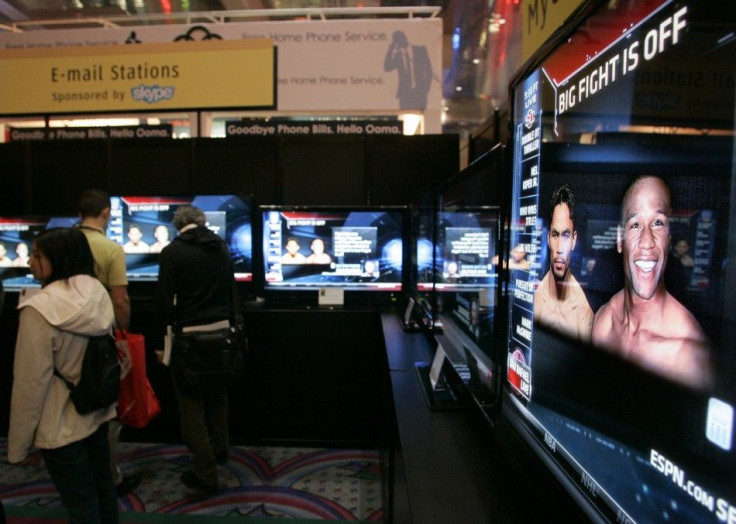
(142,224)
(311,249)
(621,371)
(16,239)
(467,244)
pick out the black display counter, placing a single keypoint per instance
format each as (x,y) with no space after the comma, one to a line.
(449,465)
(347,377)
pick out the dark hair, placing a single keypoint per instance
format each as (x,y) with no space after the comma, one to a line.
(68,252)
(186,215)
(636,181)
(563,195)
(93,202)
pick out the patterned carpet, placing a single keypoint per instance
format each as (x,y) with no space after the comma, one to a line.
(262,482)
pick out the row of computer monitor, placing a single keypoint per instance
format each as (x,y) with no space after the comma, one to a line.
(284,247)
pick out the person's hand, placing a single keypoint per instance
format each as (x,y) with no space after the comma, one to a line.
(33,459)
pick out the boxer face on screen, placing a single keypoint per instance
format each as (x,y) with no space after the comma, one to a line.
(645,237)
(561,240)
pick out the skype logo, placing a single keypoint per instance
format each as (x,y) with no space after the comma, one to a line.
(151,94)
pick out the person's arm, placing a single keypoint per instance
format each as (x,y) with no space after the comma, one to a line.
(118,287)
(33,371)
(121,305)
(166,289)
(390,61)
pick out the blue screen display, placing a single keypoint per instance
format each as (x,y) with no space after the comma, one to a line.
(308,248)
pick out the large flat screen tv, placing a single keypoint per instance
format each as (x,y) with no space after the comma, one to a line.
(420,292)
(621,368)
(466,245)
(355,249)
(16,238)
(466,249)
(143,226)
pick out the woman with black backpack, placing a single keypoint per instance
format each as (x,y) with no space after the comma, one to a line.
(54,328)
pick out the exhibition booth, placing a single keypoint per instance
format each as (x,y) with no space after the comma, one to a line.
(542,335)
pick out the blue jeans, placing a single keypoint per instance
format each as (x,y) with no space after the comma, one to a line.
(81,474)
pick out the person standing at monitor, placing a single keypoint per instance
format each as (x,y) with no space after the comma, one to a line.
(94,214)
(195,293)
(643,322)
(559,301)
(55,324)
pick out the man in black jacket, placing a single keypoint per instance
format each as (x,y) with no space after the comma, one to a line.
(195,294)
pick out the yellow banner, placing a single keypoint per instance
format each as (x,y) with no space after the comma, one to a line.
(540,19)
(139,77)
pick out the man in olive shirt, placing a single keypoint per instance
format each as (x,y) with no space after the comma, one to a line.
(94,214)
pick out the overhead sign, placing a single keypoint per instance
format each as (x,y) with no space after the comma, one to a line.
(540,19)
(31,134)
(349,66)
(288,127)
(148,77)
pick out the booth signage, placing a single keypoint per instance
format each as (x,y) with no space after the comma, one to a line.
(289,127)
(147,77)
(541,18)
(32,134)
(330,65)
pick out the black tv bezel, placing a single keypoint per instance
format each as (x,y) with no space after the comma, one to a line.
(444,287)
(307,295)
(482,185)
(514,414)
(246,198)
(22,272)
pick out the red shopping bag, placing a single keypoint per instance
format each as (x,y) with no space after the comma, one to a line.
(137,402)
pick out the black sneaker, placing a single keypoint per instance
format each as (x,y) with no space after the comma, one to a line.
(190,480)
(128,484)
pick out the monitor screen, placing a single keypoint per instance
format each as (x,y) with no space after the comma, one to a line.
(466,270)
(466,249)
(357,249)
(621,374)
(16,237)
(143,226)
(421,286)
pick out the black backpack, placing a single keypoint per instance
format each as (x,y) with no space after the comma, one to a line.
(100,379)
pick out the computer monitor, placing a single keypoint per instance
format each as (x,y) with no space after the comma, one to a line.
(16,239)
(352,248)
(621,375)
(143,226)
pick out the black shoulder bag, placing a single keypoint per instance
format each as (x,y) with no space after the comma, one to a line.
(201,359)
